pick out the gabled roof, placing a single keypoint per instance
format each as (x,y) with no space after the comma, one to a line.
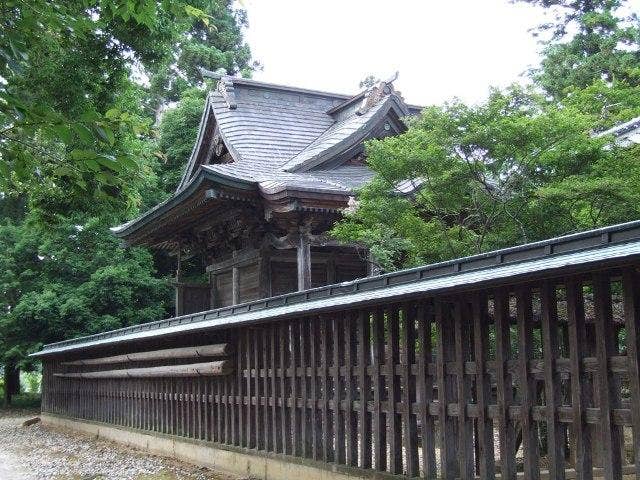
(283,142)
(270,129)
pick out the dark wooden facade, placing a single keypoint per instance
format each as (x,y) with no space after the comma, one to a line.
(522,361)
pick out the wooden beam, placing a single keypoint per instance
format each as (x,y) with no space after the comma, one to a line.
(221,367)
(304,264)
(217,350)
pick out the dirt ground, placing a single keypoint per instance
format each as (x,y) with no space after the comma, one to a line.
(39,453)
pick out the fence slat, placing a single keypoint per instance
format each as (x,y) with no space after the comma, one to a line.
(484,438)
(364,387)
(338,387)
(463,383)
(527,383)
(504,385)
(305,421)
(257,389)
(285,388)
(446,352)
(275,411)
(351,419)
(379,420)
(296,427)
(425,393)
(409,421)
(327,430)
(608,391)
(580,386)
(266,390)
(394,420)
(239,392)
(631,283)
(552,384)
(316,414)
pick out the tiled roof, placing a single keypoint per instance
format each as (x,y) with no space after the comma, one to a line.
(625,133)
(274,133)
(286,139)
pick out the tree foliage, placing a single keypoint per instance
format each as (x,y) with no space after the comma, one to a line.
(62,66)
(524,165)
(69,280)
(79,153)
(588,40)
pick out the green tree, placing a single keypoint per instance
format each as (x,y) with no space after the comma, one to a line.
(62,66)
(588,40)
(511,170)
(69,280)
(213,42)
(77,146)
(526,164)
(179,81)
(177,134)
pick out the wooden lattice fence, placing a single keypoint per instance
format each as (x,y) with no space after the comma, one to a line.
(524,377)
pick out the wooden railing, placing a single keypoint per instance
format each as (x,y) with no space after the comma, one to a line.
(531,374)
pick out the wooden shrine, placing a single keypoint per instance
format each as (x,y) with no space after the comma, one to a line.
(272,169)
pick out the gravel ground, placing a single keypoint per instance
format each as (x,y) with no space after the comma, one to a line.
(39,453)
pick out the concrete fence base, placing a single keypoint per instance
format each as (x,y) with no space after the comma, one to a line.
(242,462)
(223,459)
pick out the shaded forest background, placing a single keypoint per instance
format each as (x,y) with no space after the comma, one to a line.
(99,106)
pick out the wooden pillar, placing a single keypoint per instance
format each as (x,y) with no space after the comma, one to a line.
(213,290)
(265,274)
(179,287)
(235,286)
(304,263)
(331,269)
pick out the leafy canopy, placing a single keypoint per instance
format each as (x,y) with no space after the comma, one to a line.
(524,165)
(62,65)
(80,153)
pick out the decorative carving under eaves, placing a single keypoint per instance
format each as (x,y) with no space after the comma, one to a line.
(218,144)
(236,230)
(225,87)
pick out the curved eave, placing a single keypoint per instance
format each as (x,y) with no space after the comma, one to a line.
(196,147)
(351,140)
(156,213)
(192,164)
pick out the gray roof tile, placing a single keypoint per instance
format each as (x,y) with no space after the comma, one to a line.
(274,132)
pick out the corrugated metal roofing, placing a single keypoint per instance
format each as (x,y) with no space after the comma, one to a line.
(610,244)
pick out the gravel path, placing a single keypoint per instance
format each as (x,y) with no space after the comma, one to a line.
(38,453)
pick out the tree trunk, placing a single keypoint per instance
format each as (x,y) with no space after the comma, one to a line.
(11,382)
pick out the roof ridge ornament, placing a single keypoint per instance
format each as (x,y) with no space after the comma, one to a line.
(224,87)
(375,93)
(217,75)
